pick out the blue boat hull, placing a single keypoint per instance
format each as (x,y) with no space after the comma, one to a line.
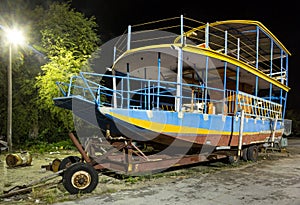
(185,129)
(190,128)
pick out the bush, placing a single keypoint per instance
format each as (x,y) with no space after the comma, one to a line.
(42,146)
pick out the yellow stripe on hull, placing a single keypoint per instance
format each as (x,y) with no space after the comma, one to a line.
(168,128)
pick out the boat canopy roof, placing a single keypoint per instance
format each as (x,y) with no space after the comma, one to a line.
(246,44)
(252,34)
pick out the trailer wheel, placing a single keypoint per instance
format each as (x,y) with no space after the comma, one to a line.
(252,153)
(245,153)
(80,178)
(66,162)
(232,159)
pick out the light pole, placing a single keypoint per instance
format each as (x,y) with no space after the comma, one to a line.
(9,101)
(14,37)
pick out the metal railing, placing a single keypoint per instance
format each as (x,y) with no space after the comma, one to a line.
(143,94)
(201,34)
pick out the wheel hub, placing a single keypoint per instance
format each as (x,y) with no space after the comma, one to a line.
(81,179)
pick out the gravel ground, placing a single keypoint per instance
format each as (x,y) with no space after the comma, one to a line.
(273,179)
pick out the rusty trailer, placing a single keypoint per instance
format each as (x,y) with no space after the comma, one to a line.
(123,157)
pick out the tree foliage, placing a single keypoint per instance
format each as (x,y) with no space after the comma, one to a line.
(66,29)
(59,42)
(59,69)
(69,39)
(25,66)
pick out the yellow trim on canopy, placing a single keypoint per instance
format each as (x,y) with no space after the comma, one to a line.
(251,22)
(214,54)
(241,64)
(254,23)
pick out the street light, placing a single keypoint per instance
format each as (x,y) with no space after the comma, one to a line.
(14,37)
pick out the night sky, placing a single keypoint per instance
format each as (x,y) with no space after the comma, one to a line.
(281,18)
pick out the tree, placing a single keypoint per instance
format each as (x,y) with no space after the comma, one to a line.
(25,66)
(69,39)
(60,40)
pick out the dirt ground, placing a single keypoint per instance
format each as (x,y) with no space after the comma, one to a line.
(273,179)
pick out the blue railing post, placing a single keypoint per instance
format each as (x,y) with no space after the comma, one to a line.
(98,99)
(145,96)
(114,89)
(128,37)
(115,54)
(225,71)
(87,86)
(237,77)
(179,71)
(271,69)
(257,59)
(149,96)
(207,35)
(158,79)
(286,81)
(206,80)
(128,87)
(70,86)
(206,66)
(114,81)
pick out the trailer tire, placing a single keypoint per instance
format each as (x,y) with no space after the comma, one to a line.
(245,153)
(252,153)
(80,178)
(66,162)
(232,159)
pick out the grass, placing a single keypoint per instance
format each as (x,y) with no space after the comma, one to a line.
(113,184)
(43,147)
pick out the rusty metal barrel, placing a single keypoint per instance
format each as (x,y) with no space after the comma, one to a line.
(19,159)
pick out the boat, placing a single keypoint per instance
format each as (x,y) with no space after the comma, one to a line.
(189,88)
